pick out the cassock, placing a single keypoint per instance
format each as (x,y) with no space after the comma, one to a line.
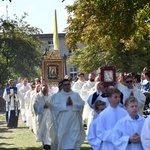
(137,93)
(92,137)
(70,131)
(125,128)
(12,106)
(145,135)
(106,120)
(45,127)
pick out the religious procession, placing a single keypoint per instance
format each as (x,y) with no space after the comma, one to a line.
(61,118)
(108,108)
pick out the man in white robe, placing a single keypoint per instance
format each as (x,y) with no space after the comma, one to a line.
(12,96)
(45,127)
(68,107)
(25,87)
(85,94)
(20,83)
(28,104)
(130,90)
(79,83)
(145,135)
(31,107)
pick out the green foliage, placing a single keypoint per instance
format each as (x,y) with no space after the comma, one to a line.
(113,32)
(19,49)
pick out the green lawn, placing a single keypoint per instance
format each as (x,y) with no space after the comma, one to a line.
(20,138)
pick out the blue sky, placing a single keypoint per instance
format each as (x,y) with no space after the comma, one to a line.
(40,12)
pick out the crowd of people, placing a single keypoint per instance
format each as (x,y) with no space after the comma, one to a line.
(112,116)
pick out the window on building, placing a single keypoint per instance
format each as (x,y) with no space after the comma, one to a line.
(50,45)
(73,72)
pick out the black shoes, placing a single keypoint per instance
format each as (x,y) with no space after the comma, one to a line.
(47,147)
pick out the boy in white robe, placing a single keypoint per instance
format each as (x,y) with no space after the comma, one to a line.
(68,107)
(108,118)
(92,138)
(145,135)
(127,131)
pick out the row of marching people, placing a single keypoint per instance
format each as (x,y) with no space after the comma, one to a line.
(120,125)
(56,120)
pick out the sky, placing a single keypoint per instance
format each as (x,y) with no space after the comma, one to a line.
(40,12)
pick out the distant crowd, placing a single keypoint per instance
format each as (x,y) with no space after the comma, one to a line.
(62,116)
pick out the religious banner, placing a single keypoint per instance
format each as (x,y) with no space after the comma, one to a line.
(108,75)
(52,67)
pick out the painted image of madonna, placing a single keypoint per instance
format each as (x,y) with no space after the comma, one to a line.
(52,73)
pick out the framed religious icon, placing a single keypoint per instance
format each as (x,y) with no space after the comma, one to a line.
(52,68)
(53,71)
(108,75)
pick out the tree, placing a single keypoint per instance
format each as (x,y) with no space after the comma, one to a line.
(19,49)
(112,32)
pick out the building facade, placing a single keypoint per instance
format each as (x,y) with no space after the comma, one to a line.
(47,40)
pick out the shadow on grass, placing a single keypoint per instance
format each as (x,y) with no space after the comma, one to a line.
(1,148)
(1,137)
(2,123)
(22,128)
(85,148)
(34,148)
(5,129)
(29,148)
(3,145)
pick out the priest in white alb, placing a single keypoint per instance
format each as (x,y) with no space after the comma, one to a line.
(45,127)
(68,107)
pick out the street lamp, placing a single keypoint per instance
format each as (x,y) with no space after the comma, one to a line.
(65,65)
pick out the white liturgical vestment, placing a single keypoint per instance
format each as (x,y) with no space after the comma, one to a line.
(106,120)
(145,135)
(70,131)
(137,94)
(84,95)
(125,128)
(77,86)
(45,126)
(92,138)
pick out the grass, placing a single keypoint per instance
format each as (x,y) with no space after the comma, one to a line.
(21,138)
